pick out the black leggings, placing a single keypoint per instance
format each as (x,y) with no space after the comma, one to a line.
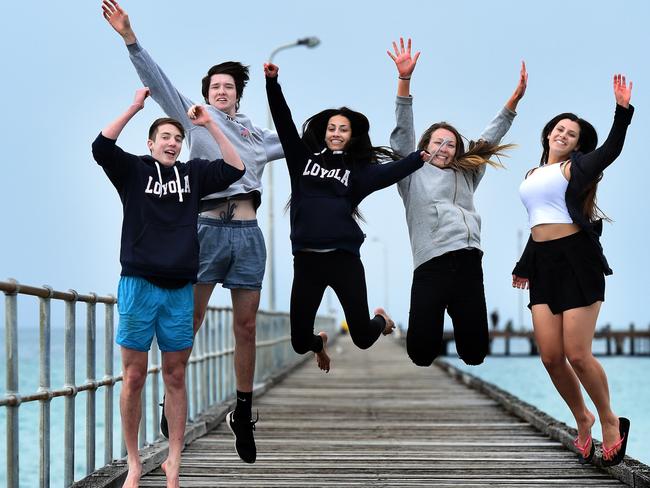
(343,272)
(453,281)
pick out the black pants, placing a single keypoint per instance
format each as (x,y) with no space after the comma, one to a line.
(344,273)
(453,281)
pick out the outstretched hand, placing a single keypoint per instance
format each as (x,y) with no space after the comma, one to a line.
(622,91)
(404,63)
(199,115)
(519,282)
(271,70)
(140,96)
(520,90)
(117,18)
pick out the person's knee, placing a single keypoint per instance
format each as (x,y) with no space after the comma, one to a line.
(174,376)
(473,359)
(579,360)
(300,345)
(134,378)
(244,330)
(553,361)
(421,357)
(362,342)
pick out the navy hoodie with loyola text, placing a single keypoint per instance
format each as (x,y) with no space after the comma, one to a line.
(160,206)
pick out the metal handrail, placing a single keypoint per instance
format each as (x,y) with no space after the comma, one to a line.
(211,378)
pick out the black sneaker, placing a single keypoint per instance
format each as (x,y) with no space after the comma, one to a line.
(164,428)
(244,440)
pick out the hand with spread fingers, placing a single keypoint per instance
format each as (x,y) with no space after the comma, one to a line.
(119,20)
(622,91)
(404,63)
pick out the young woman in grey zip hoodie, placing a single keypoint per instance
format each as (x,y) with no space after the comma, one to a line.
(444,226)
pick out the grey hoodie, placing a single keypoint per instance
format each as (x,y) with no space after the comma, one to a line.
(439,203)
(255,146)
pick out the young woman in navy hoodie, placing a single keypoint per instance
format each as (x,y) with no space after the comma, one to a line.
(332,168)
(564,266)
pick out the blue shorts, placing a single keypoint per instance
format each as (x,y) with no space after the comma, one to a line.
(232,253)
(146,309)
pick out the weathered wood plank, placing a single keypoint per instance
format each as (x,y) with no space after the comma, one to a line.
(378,420)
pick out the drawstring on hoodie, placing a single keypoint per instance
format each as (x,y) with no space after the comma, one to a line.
(178,182)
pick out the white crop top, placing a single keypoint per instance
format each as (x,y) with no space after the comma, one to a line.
(543,194)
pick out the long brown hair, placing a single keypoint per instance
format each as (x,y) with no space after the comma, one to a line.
(587,142)
(479,153)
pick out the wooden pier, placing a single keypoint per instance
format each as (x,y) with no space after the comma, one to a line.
(376,420)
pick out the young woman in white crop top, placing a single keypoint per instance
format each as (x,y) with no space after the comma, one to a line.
(564,267)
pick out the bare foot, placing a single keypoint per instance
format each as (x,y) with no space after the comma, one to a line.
(171,473)
(584,430)
(390,325)
(611,436)
(133,477)
(322,358)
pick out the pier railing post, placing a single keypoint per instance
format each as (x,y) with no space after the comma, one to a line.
(91,366)
(69,351)
(44,386)
(108,375)
(11,348)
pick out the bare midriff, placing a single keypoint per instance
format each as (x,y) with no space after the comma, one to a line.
(549,232)
(237,209)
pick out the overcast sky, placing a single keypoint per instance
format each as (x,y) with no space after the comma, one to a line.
(66,74)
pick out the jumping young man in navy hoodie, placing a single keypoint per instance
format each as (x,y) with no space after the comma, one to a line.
(160,258)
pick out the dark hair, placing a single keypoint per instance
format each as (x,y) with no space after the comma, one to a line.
(238,71)
(478,154)
(153,130)
(359,150)
(587,142)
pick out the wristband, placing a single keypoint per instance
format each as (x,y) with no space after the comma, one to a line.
(406,78)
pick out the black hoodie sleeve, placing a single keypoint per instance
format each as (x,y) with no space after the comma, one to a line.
(585,168)
(374,177)
(294,149)
(117,164)
(216,176)
(522,268)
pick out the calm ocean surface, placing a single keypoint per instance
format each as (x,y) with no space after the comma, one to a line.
(525,377)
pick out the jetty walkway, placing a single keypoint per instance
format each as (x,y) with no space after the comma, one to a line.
(378,421)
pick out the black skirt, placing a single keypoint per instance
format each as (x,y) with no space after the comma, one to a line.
(566,273)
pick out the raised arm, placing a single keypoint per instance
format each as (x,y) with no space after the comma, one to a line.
(115,161)
(405,65)
(284,124)
(520,91)
(501,123)
(586,167)
(173,103)
(199,116)
(113,130)
(118,20)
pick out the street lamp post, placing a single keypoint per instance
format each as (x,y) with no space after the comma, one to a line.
(309,42)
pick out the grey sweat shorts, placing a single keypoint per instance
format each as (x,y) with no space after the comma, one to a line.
(231,253)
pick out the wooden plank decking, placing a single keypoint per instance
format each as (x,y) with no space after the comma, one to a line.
(376,420)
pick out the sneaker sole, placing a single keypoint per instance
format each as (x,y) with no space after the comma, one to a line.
(228,418)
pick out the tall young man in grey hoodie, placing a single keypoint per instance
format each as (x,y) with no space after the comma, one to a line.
(232,250)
